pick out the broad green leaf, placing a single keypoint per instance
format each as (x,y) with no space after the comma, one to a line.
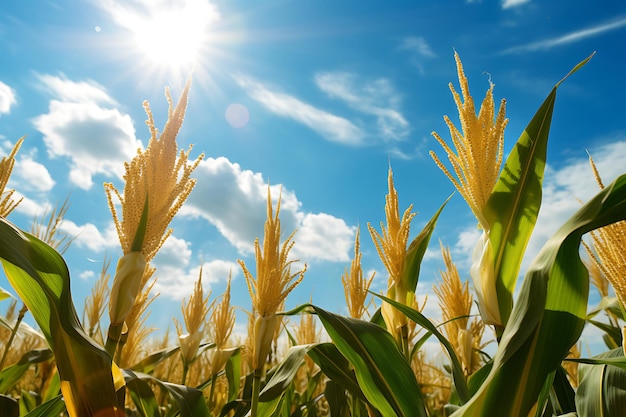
(11,374)
(513,206)
(52,407)
(602,388)
(336,367)
(147,364)
(282,376)
(415,252)
(40,277)
(190,401)
(457,371)
(337,399)
(141,394)
(27,402)
(549,315)
(233,374)
(393,390)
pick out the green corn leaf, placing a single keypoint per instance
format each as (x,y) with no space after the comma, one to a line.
(52,407)
(40,277)
(11,374)
(336,367)
(141,394)
(147,364)
(415,252)
(233,374)
(513,206)
(393,390)
(457,371)
(602,389)
(282,376)
(549,315)
(190,401)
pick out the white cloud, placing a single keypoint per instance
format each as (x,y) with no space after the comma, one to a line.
(507,4)
(322,236)
(331,127)
(571,37)
(235,201)
(418,46)
(7,98)
(75,91)
(31,175)
(96,139)
(376,98)
(89,236)
(28,206)
(176,274)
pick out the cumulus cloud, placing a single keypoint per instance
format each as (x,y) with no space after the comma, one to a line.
(235,201)
(176,273)
(89,236)
(7,98)
(32,175)
(376,98)
(79,126)
(331,127)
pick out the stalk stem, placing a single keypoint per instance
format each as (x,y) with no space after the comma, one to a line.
(18,321)
(256,389)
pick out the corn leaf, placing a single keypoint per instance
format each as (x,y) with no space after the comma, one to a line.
(549,315)
(5,294)
(416,250)
(147,364)
(11,374)
(457,371)
(52,407)
(190,401)
(282,376)
(40,277)
(602,389)
(393,390)
(513,206)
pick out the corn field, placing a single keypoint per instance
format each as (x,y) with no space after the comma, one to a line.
(103,363)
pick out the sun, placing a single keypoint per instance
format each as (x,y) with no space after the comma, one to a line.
(167,36)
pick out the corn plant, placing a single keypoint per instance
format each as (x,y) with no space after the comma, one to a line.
(372,362)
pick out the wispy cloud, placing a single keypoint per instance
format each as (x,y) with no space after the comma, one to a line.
(376,98)
(507,4)
(234,201)
(418,46)
(7,98)
(572,37)
(83,126)
(331,127)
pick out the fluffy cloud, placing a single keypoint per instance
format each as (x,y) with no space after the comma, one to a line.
(90,237)
(7,98)
(96,139)
(235,201)
(31,175)
(176,274)
(331,127)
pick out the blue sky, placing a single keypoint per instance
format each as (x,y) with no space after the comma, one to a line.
(317,97)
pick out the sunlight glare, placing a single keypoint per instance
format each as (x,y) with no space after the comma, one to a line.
(171,38)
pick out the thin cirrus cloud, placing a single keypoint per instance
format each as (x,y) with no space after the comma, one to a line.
(376,98)
(329,126)
(234,200)
(576,36)
(83,125)
(508,4)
